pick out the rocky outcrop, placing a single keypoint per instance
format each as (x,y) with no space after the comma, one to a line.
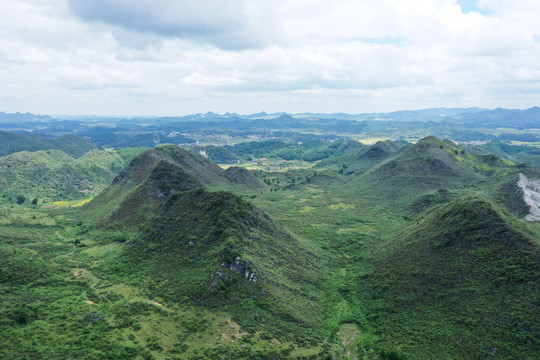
(531,196)
(239,267)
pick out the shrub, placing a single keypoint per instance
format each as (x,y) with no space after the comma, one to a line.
(391,355)
(21,316)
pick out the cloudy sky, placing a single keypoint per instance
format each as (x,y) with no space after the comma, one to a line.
(174,57)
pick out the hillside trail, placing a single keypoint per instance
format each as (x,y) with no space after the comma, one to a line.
(94,283)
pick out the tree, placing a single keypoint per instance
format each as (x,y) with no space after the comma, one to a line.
(35,201)
(20,199)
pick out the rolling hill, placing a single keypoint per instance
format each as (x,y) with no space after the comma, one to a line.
(70,144)
(363,158)
(54,175)
(167,169)
(433,164)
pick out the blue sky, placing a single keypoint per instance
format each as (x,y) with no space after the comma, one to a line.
(472,5)
(174,57)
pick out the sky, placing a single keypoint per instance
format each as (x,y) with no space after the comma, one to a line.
(177,57)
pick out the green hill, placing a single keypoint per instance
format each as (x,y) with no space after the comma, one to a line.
(54,175)
(515,153)
(70,144)
(364,158)
(228,252)
(433,164)
(461,282)
(162,171)
(314,150)
(205,170)
(430,161)
(240,175)
(335,149)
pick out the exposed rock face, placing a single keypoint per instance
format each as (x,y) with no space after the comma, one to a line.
(238,267)
(531,196)
(241,268)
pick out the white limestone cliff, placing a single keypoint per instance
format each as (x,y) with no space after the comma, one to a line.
(531,196)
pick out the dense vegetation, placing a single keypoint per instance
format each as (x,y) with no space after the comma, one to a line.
(467,263)
(53,175)
(325,250)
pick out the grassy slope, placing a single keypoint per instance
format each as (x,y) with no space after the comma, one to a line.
(515,153)
(431,165)
(230,254)
(178,167)
(308,151)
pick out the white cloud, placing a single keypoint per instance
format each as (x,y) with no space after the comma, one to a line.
(228,24)
(198,79)
(174,57)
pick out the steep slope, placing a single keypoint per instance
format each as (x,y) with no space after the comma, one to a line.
(465,278)
(531,196)
(208,247)
(160,172)
(511,192)
(229,254)
(382,150)
(205,170)
(431,199)
(70,144)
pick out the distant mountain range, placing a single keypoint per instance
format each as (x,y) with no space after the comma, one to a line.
(459,115)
